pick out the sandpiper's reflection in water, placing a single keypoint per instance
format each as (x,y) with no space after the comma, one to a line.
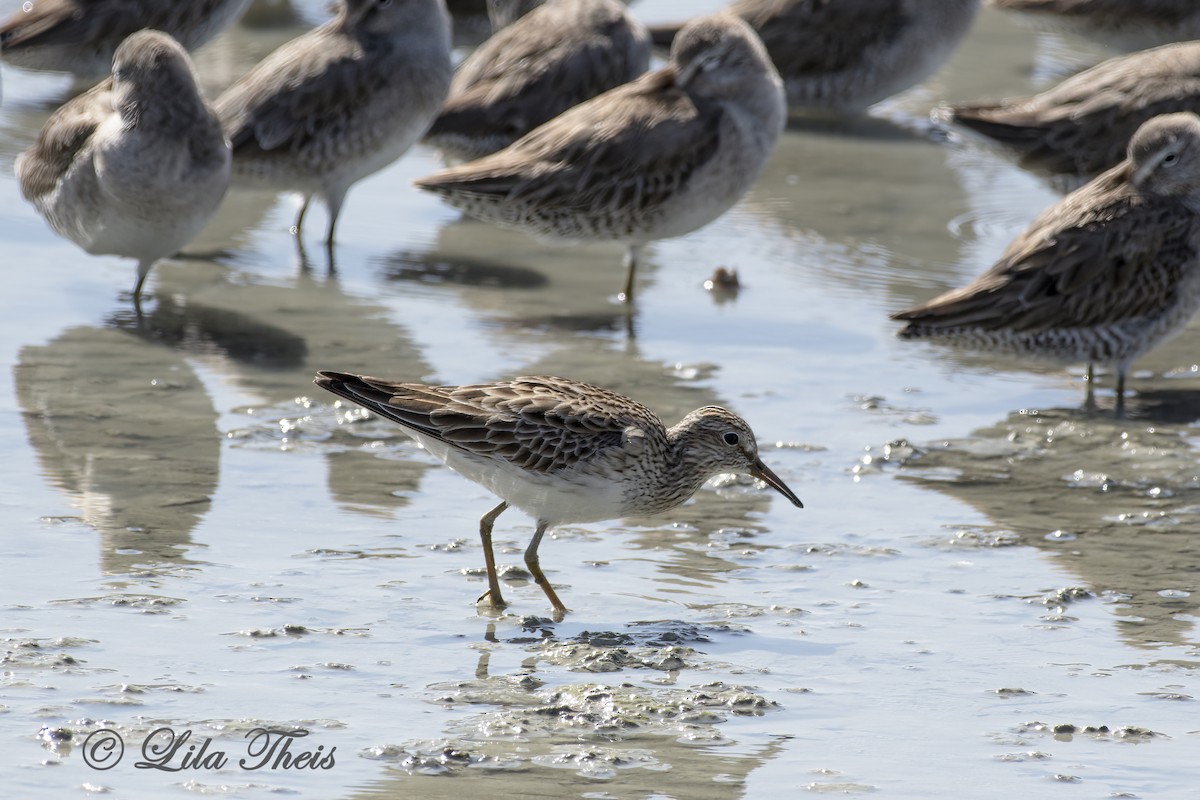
(196,329)
(530,287)
(127,432)
(552,753)
(1116,501)
(268,341)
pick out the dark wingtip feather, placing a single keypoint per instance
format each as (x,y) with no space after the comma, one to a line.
(995,122)
(327,377)
(335,382)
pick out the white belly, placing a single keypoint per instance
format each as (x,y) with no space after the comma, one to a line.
(574,496)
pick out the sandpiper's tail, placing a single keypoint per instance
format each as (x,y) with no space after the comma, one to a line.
(408,404)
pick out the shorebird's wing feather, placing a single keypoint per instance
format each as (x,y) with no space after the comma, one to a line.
(1083,262)
(531,76)
(1083,124)
(539,424)
(817,37)
(57,22)
(284,100)
(65,133)
(520,56)
(1168,11)
(636,143)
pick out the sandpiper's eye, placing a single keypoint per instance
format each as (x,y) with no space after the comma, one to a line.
(731,438)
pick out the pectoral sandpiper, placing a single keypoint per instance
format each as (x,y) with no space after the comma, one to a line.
(561,450)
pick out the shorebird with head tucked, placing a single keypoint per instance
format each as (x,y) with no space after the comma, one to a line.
(845,55)
(134,167)
(339,102)
(556,55)
(653,159)
(1104,275)
(1123,24)
(81,36)
(1082,126)
(561,450)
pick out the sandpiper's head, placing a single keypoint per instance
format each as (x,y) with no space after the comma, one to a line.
(1165,154)
(718,53)
(503,13)
(150,57)
(716,440)
(153,73)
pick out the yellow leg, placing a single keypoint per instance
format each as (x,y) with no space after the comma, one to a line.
(531,561)
(485,534)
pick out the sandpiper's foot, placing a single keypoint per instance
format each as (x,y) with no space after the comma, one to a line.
(495,600)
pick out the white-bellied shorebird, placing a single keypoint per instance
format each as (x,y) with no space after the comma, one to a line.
(81,36)
(847,55)
(561,450)
(557,55)
(340,102)
(1082,126)
(1104,275)
(656,158)
(1123,24)
(135,166)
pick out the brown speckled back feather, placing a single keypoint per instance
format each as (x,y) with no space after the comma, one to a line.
(819,37)
(1082,126)
(539,423)
(556,57)
(81,36)
(1104,254)
(65,133)
(605,152)
(294,99)
(1167,11)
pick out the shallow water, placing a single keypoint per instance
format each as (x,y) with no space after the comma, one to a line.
(988,587)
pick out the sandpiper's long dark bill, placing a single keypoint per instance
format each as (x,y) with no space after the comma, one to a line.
(561,450)
(765,474)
